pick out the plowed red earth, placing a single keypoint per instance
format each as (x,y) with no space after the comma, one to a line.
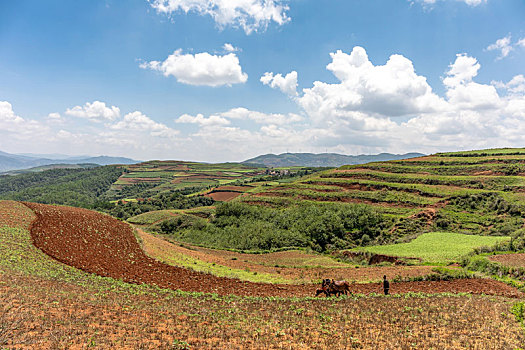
(515,260)
(223,196)
(100,244)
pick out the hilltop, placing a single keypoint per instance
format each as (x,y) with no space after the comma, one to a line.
(329,160)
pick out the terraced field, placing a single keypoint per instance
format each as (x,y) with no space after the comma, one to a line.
(436,247)
(476,192)
(160,176)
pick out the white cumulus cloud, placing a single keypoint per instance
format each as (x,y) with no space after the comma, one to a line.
(96,111)
(503,45)
(230,48)
(250,15)
(516,85)
(201,120)
(262,118)
(360,112)
(287,84)
(390,90)
(16,126)
(200,69)
(463,93)
(8,118)
(137,121)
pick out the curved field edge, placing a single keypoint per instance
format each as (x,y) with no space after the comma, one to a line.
(32,260)
(167,253)
(295,267)
(19,256)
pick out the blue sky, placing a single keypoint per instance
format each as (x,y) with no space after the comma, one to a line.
(218,80)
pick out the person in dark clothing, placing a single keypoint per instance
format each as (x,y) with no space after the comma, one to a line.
(386,285)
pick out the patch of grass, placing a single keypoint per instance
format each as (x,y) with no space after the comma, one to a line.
(161,250)
(152,217)
(436,247)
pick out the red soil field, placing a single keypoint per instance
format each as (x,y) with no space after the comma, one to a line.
(223,196)
(514,260)
(135,180)
(100,244)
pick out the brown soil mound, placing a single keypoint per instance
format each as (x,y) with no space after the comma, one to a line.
(100,244)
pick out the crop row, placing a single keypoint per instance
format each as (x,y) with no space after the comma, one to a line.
(443,160)
(486,182)
(437,169)
(385,196)
(418,189)
(486,152)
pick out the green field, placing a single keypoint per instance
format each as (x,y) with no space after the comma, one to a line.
(436,247)
(153,217)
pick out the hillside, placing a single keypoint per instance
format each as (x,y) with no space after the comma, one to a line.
(77,187)
(330,160)
(128,190)
(468,192)
(17,162)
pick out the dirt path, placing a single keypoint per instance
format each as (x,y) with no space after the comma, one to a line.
(100,244)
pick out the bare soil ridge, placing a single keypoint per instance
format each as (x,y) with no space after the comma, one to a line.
(100,244)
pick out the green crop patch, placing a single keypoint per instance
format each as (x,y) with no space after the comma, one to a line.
(436,247)
(152,217)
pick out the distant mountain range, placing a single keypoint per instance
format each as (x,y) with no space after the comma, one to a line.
(324,159)
(10,161)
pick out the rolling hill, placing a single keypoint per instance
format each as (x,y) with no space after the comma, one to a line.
(330,160)
(480,192)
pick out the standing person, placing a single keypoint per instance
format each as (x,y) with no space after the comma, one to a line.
(386,285)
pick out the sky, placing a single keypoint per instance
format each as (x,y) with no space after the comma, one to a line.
(228,80)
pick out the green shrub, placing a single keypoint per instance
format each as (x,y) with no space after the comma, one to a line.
(518,310)
(320,226)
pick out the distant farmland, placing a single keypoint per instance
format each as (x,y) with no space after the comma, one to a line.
(153,177)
